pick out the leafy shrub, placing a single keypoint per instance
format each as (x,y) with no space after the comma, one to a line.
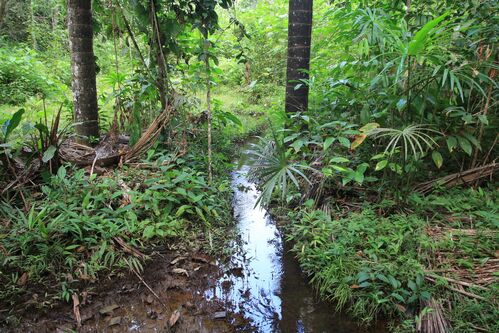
(22,77)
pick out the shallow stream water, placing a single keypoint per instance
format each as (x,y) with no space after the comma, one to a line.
(264,282)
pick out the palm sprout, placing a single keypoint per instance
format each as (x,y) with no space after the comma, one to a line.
(414,139)
(271,167)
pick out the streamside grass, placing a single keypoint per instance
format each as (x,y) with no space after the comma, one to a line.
(388,265)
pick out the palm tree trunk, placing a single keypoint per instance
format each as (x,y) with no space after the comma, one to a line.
(299,39)
(84,88)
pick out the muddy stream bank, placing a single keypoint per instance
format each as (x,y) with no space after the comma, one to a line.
(259,289)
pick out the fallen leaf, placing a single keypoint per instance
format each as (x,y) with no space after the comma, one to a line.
(180,271)
(354,286)
(358,141)
(108,309)
(400,307)
(23,279)
(174,318)
(177,260)
(76,309)
(201,258)
(115,321)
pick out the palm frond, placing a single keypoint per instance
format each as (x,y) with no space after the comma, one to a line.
(414,139)
(272,169)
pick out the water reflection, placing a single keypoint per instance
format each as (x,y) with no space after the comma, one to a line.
(263,281)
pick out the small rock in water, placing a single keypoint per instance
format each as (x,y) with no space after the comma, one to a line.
(220,315)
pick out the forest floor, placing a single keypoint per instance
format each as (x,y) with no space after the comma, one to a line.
(168,297)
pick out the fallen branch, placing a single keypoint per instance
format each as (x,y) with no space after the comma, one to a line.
(76,309)
(466,293)
(463,283)
(150,289)
(433,321)
(459,178)
(128,249)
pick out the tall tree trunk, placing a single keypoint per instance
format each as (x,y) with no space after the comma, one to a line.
(3,10)
(299,39)
(86,113)
(160,57)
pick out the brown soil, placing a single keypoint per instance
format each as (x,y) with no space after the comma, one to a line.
(126,304)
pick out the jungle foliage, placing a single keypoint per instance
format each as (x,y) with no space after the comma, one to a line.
(387,179)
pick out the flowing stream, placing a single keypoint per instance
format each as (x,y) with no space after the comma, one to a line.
(264,283)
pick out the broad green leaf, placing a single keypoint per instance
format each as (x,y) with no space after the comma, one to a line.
(465,145)
(328,142)
(339,168)
(483,119)
(49,154)
(368,127)
(378,156)
(473,140)
(182,209)
(363,276)
(297,145)
(344,141)
(381,165)
(417,44)
(61,173)
(359,177)
(339,159)
(13,122)
(437,158)
(451,143)
(412,285)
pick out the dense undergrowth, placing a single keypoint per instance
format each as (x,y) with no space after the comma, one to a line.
(375,261)
(80,226)
(403,111)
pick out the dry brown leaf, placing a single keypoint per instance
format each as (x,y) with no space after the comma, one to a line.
(174,318)
(177,260)
(180,271)
(76,309)
(23,279)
